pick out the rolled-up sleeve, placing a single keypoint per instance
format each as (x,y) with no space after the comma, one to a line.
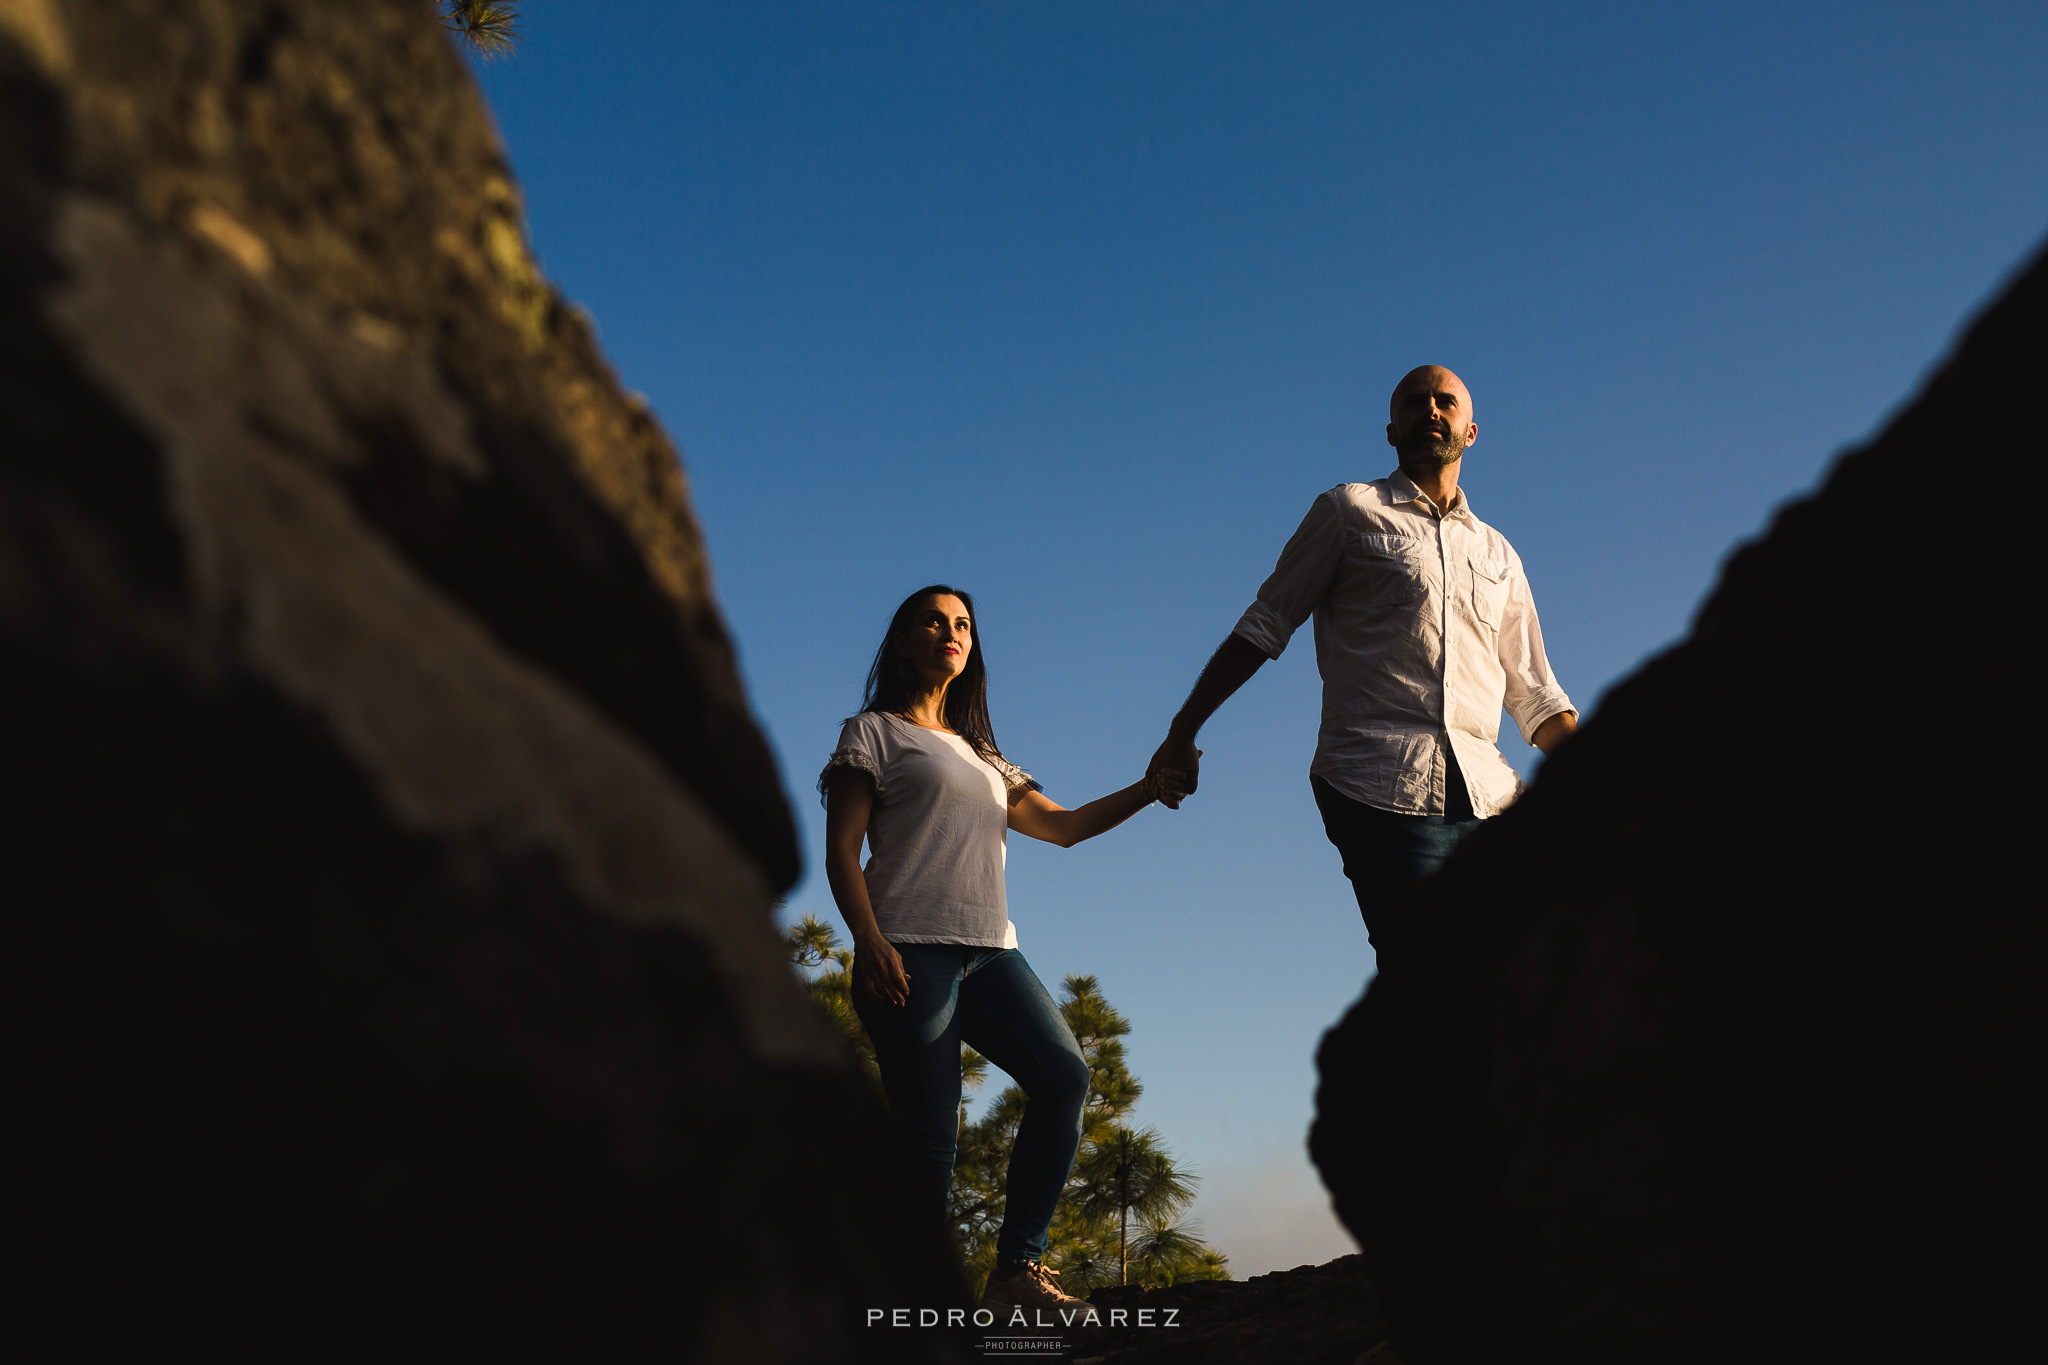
(1533,695)
(1307,565)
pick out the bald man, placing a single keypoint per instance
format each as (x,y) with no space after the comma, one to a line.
(1425,630)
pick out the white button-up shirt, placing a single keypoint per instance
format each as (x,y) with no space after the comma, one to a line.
(1424,630)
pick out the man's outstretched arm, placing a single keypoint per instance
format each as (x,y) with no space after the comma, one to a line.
(1233,663)
(1307,564)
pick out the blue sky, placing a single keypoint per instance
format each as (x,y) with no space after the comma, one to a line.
(1079,305)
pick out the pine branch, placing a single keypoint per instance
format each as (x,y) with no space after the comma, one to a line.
(490,27)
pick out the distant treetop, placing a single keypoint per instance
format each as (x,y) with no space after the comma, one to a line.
(490,27)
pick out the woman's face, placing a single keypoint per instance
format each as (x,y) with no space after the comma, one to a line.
(938,639)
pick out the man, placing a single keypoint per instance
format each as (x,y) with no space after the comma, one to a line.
(1424,629)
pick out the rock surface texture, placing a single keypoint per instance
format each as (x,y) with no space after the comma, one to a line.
(1728,1041)
(1310,1315)
(391,850)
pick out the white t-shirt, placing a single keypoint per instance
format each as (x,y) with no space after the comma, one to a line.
(937,838)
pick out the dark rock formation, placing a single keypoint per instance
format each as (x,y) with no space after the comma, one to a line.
(1310,1315)
(1727,1042)
(390,849)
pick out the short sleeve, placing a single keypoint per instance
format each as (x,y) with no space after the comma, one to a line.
(859,748)
(1015,779)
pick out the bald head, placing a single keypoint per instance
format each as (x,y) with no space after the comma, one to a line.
(1430,380)
(1429,417)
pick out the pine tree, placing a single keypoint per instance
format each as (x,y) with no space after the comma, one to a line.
(827,973)
(490,27)
(1112,1090)
(1127,1173)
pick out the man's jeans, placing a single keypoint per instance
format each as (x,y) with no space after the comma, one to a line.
(990,999)
(1386,853)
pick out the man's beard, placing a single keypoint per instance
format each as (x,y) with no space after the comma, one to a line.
(1424,449)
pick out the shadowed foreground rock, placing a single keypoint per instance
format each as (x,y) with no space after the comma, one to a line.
(1727,1042)
(390,852)
(1310,1315)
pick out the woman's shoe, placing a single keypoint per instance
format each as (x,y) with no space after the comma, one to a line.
(1030,1288)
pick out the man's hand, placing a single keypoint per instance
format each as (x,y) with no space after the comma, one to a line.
(1167,786)
(1555,731)
(1181,758)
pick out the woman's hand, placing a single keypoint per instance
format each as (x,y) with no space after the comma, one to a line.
(879,969)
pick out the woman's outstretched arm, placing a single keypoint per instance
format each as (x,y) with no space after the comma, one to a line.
(1035,814)
(849,801)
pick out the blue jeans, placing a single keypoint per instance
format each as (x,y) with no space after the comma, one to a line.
(1385,852)
(990,999)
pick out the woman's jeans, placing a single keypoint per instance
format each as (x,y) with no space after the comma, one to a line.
(990,999)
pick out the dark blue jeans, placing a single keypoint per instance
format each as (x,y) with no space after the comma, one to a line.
(1385,853)
(990,999)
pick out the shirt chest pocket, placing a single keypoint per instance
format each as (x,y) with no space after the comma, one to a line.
(1489,591)
(1392,570)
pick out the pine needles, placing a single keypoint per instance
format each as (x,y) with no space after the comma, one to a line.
(490,27)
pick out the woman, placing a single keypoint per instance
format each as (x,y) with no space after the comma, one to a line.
(918,775)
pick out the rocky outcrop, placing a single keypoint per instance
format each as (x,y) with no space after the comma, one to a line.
(1310,1315)
(1727,1042)
(391,851)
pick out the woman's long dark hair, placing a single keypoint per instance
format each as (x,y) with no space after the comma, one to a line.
(891,680)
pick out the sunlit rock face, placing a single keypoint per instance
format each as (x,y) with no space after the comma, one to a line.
(391,851)
(1728,1041)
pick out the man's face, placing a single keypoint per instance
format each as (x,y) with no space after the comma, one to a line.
(1431,418)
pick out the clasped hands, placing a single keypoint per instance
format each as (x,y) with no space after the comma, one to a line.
(1172,775)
